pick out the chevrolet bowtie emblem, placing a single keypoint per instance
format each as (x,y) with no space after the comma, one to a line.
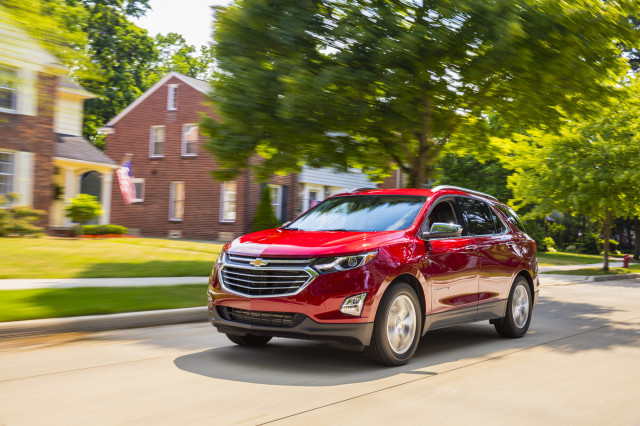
(258,262)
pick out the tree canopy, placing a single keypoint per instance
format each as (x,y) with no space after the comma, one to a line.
(380,84)
(589,167)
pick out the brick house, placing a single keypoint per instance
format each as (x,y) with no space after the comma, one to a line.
(43,157)
(176,195)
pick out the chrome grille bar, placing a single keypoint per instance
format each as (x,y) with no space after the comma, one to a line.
(269,278)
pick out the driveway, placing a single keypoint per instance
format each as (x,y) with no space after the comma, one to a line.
(579,363)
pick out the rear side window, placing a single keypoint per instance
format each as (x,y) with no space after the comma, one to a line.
(500,226)
(512,217)
(477,216)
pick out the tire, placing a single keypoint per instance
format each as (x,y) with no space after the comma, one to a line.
(516,321)
(249,339)
(397,328)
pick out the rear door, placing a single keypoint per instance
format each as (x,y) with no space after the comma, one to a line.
(498,263)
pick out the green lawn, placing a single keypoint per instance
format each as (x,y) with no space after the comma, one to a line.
(54,303)
(634,268)
(553,259)
(49,257)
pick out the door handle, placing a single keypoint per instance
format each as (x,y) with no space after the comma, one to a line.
(471,247)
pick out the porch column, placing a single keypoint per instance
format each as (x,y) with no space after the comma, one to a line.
(69,191)
(107,179)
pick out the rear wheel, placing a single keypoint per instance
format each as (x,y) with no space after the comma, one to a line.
(397,327)
(516,321)
(249,339)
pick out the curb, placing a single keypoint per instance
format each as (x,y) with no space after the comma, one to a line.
(614,277)
(90,323)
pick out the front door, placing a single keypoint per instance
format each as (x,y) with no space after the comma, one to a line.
(451,266)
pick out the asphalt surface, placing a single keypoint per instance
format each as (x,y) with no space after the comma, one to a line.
(579,364)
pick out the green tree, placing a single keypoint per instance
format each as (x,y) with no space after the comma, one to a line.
(175,54)
(125,54)
(265,218)
(466,171)
(588,168)
(381,84)
(82,209)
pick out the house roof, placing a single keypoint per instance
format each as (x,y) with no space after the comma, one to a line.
(199,85)
(78,148)
(69,85)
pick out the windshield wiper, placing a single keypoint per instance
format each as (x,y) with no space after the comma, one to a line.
(338,230)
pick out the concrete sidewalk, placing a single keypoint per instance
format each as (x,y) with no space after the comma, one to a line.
(28,284)
(612,264)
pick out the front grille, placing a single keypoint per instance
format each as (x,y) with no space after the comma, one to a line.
(278,277)
(267,319)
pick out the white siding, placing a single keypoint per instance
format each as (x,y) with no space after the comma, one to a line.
(68,117)
(330,177)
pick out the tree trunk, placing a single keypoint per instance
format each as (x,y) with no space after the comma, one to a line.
(608,219)
(636,231)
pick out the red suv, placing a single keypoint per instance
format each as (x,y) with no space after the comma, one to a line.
(376,269)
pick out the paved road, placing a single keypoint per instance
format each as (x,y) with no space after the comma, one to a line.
(580,364)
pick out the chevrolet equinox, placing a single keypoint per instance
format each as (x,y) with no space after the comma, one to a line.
(376,269)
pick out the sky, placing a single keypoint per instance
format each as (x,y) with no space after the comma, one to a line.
(191,18)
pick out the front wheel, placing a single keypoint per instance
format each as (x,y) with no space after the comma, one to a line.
(516,321)
(249,339)
(397,327)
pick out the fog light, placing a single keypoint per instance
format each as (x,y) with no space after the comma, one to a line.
(353,305)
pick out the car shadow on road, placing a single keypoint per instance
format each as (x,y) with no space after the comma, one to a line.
(306,363)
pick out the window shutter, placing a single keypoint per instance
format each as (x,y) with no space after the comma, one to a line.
(24,177)
(283,205)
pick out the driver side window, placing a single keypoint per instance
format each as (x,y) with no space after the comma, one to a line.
(443,212)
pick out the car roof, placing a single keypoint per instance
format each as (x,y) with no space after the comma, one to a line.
(453,190)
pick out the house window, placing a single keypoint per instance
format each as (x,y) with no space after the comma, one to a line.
(276,200)
(138,184)
(172,97)
(6,172)
(190,139)
(8,89)
(228,207)
(156,141)
(176,201)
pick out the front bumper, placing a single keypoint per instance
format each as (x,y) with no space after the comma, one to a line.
(352,334)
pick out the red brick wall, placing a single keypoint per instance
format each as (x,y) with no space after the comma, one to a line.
(202,193)
(35,134)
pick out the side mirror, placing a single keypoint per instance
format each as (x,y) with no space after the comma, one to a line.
(442,230)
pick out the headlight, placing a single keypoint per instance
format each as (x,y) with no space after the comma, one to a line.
(220,260)
(344,263)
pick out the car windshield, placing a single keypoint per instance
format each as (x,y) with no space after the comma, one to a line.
(361,213)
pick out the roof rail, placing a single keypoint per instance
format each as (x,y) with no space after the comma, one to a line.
(361,190)
(457,188)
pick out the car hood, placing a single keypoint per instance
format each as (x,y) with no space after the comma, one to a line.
(289,243)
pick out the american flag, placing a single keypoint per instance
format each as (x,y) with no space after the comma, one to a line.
(127,188)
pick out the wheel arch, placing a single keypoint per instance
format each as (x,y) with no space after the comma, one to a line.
(415,285)
(524,273)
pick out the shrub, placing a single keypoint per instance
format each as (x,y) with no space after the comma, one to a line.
(104,230)
(548,244)
(18,220)
(265,218)
(82,209)
(571,249)
(590,244)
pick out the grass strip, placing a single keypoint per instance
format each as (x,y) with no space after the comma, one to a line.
(559,258)
(69,302)
(49,257)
